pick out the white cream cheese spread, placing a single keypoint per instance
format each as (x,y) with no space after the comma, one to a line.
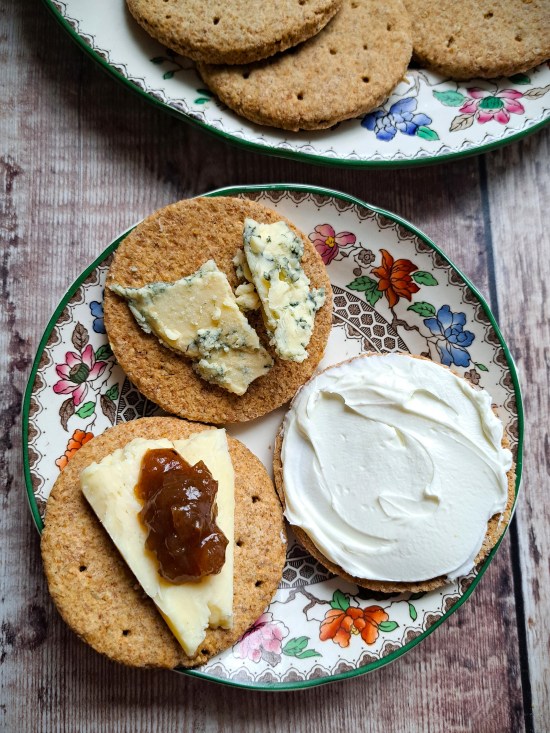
(393,467)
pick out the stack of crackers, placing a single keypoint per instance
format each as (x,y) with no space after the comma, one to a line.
(309,64)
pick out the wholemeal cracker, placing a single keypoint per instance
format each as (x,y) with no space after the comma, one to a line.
(236,32)
(470,38)
(495,529)
(169,245)
(346,70)
(97,594)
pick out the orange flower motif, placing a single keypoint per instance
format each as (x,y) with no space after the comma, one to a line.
(339,625)
(78,439)
(395,279)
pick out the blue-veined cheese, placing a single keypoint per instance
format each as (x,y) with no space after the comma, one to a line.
(188,608)
(198,316)
(272,262)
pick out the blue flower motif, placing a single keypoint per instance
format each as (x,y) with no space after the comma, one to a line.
(400,116)
(452,339)
(97,311)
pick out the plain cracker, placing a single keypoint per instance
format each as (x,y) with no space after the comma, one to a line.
(236,32)
(346,70)
(470,38)
(97,594)
(171,244)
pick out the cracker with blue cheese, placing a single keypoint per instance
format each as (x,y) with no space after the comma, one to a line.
(209,380)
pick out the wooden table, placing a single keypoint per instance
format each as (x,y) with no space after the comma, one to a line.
(82,159)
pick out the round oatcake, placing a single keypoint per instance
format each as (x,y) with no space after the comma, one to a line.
(175,242)
(236,32)
(470,38)
(495,527)
(346,70)
(97,594)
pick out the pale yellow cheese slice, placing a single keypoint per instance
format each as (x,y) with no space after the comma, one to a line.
(188,608)
(199,317)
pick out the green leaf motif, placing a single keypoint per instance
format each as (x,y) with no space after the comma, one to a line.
(168,75)
(520,79)
(426,310)
(104,352)
(339,601)
(112,392)
(416,596)
(295,646)
(368,286)
(450,98)
(388,626)
(309,653)
(412,612)
(157,60)
(87,409)
(424,278)
(205,92)
(481,367)
(426,133)
(201,100)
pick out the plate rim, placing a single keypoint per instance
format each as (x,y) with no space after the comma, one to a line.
(253,147)
(349,198)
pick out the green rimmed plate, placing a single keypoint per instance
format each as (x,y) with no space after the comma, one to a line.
(427,119)
(284,649)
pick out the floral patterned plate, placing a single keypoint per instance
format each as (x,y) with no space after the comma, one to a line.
(427,118)
(394,290)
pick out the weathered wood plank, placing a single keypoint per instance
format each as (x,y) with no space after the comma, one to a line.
(518,199)
(82,160)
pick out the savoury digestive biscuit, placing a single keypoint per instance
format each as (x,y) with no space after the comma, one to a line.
(480,39)
(400,500)
(99,597)
(173,243)
(237,32)
(346,70)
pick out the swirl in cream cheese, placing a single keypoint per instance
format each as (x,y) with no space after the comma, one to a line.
(393,467)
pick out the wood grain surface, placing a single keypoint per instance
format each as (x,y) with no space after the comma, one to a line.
(81,159)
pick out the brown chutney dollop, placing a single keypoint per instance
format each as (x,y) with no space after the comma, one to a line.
(179,511)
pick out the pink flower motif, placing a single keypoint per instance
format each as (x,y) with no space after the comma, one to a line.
(328,243)
(78,371)
(487,106)
(263,637)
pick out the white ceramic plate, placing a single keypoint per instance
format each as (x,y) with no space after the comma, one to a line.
(287,647)
(427,119)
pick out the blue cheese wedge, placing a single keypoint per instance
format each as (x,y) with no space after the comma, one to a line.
(188,608)
(272,262)
(199,317)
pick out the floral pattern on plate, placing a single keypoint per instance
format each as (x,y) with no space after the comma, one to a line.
(393,291)
(418,123)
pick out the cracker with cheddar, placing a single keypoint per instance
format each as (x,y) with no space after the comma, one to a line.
(98,595)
